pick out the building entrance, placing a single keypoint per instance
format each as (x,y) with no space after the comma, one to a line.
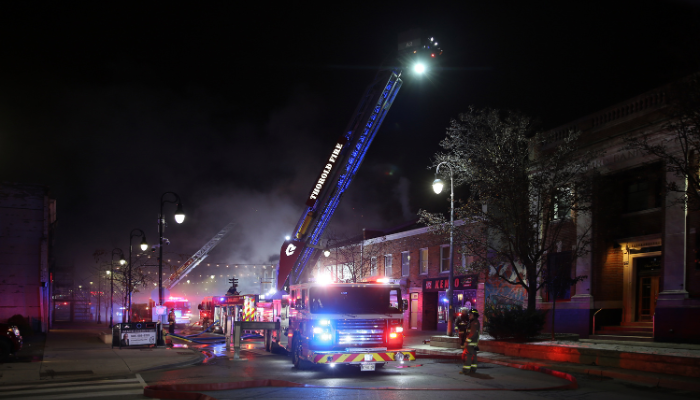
(648,273)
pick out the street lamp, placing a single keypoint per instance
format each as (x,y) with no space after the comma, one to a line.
(122,261)
(144,245)
(179,218)
(438,184)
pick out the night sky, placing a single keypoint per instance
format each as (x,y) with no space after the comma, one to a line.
(234,108)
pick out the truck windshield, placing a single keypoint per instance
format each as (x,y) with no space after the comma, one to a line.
(354,300)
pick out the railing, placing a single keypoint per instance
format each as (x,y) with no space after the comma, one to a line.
(596,313)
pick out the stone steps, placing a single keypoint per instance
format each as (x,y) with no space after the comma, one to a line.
(621,338)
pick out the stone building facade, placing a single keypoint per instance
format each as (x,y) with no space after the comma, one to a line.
(642,270)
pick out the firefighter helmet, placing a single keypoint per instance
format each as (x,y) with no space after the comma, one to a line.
(474,312)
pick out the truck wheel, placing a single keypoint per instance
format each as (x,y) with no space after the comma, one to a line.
(296,354)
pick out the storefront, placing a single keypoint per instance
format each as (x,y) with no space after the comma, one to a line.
(463,294)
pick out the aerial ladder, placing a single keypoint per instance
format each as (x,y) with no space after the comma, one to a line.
(347,154)
(197,258)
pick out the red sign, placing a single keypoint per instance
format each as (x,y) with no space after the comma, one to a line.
(228,300)
(460,283)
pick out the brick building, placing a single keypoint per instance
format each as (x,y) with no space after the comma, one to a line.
(418,260)
(27,218)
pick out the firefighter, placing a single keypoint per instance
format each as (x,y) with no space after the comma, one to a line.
(462,325)
(171,321)
(469,353)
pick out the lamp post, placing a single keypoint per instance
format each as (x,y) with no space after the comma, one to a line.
(122,261)
(437,187)
(144,245)
(179,217)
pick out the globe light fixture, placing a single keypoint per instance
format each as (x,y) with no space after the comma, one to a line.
(419,68)
(179,214)
(438,184)
(144,244)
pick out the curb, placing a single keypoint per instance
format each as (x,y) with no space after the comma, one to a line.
(200,357)
(663,382)
(573,384)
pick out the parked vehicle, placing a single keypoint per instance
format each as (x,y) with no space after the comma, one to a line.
(10,340)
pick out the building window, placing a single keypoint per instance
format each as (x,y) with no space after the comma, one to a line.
(423,261)
(559,276)
(387,265)
(405,263)
(373,270)
(445,259)
(642,195)
(561,204)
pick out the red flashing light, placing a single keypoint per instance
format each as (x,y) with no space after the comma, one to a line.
(432,55)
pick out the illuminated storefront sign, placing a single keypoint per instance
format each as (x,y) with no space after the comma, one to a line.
(460,283)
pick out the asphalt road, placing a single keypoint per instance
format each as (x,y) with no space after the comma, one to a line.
(424,379)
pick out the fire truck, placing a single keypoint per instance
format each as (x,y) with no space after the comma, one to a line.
(181,306)
(214,309)
(359,324)
(346,323)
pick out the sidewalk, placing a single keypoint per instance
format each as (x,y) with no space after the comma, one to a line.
(415,339)
(74,351)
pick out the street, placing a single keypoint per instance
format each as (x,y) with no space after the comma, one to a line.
(418,380)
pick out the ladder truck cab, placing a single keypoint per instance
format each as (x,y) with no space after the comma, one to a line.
(358,324)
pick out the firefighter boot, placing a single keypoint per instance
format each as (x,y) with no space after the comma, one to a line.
(472,370)
(465,370)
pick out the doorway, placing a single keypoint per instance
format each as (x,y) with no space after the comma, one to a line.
(430,317)
(414,310)
(648,274)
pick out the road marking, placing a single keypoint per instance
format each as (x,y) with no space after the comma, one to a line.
(143,383)
(75,390)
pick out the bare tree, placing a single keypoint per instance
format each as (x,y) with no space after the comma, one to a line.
(526,190)
(355,258)
(677,144)
(140,280)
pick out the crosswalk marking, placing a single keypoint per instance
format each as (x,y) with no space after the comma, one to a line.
(75,390)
